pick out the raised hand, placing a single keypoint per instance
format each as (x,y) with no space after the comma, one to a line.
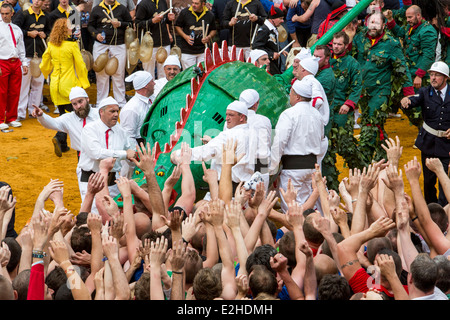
(413,170)
(393,150)
(146,160)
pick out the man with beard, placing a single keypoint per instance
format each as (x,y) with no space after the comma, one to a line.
(380,57)
(433,139)
(71,123)
(419,41)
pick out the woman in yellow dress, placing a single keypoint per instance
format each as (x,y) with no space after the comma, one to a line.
(62,60)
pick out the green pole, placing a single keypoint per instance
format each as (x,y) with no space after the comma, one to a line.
(342,23)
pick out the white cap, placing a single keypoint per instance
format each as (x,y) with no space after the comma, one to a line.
(238,106)
(107,102)
(303,88)
(303,54)
(172,60)
(441,67)
(310,64)
(256,54)
(140,79)
(249,97)
(77,92)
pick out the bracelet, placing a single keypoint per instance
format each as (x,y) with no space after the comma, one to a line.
(354,200)
(38,254)
(177,272)
(69,269)
(414,218)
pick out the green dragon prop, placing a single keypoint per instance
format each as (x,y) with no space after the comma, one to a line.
(194,104)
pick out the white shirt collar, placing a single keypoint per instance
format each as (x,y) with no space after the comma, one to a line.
(270,26)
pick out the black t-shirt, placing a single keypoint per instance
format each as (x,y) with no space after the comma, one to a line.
(191,23)
(99,22)
(28,21)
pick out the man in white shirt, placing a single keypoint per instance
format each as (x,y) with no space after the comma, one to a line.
(307,70)
(133,114)
(297,142)
(12,61)
(71,123)
(261,133)
(102,139)
(172,67)
(237,130)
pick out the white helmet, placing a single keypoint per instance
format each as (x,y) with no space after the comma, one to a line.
(441,67)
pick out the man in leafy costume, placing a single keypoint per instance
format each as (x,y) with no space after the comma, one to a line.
(380,56)
(346,97)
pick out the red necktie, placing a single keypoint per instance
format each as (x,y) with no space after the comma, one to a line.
(107,137)
(84,123)
(12,34)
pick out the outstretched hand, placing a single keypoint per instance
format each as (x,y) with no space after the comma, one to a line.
(146,159)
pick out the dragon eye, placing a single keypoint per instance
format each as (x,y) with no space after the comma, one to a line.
(161,174)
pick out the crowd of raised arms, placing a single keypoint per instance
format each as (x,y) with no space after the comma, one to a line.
(276,222)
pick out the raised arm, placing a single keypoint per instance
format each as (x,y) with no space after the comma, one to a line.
(111,250)
(157,253)
(263,212)
(60,254)
(233,211)
(147,164)
(177,261)
(348,248)
(187,198)
(440,243)
(128,214)
(215,216)
(211,177)
(367,183)
(406,248)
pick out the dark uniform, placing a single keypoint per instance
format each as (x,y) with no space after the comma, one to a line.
(340,127)
(191,23)
(146,10)
(267,40)
(436,115)
(243,30)
(72,14)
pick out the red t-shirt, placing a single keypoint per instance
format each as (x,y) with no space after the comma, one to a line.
(361,281)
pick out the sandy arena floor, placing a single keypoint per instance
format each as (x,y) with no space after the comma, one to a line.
(28,162)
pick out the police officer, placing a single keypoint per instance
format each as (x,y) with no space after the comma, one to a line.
(434,136)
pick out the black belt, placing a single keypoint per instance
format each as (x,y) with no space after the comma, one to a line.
(259,165)
(295,162)
(86,174)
